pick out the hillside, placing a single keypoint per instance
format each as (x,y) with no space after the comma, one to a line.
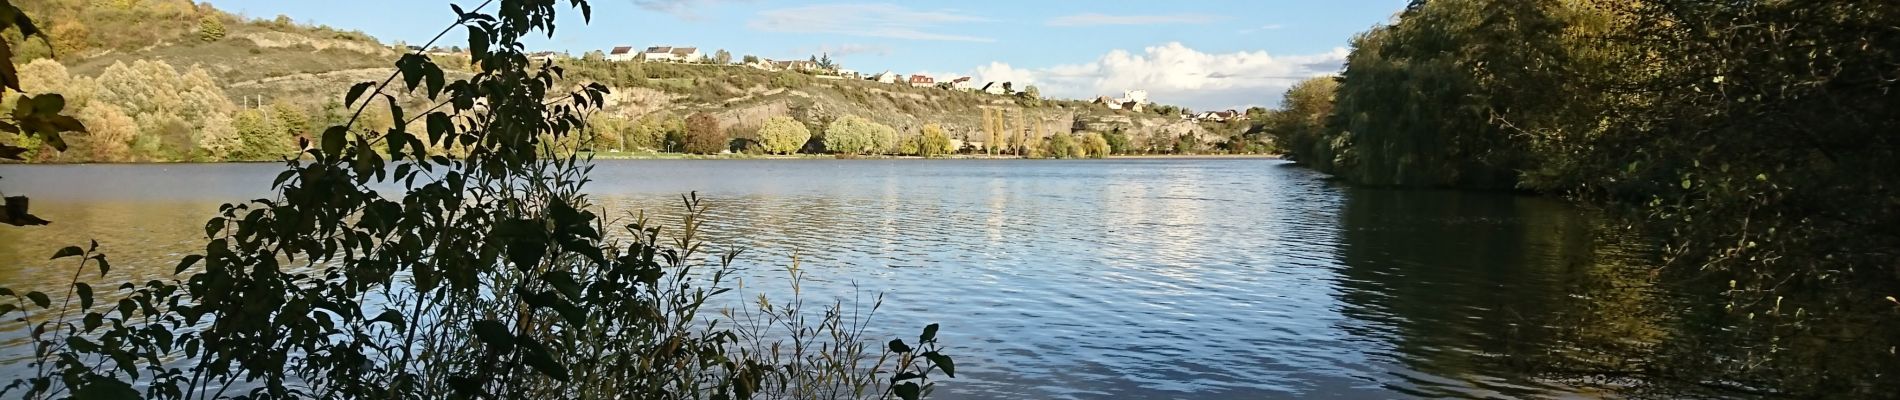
(173,80)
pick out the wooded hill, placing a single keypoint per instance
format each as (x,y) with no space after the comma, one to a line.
(173,80)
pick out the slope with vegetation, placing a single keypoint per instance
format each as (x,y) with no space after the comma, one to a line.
(270,75)
(1755,136)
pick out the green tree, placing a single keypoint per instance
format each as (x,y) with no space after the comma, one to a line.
(211,28)
(259,136)
(1093,145)
(704,135)
(295,123)
(1062,145)
(217,139)
(783,135)
(1118,142)
(934,141)
(652,132)
(1030,96)
(1300,125)
(607,133)
(993,130)
(112,133)
(855,135)
(824,62)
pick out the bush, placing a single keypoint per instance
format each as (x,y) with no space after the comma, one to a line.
(1095,146)
(210,28)
(655,132)
(1062,145)
(259,137)
(855,135)
(934,141)
(704,135)
(607,133)
(1117,142)
(783,135)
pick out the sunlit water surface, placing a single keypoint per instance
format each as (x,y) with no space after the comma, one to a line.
(1130,279)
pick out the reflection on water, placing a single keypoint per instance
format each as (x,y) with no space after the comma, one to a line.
(1052,279)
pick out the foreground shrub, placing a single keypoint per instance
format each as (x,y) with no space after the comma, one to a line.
(489,277)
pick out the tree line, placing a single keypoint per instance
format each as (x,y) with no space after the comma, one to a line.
(849,135)
(1755,136)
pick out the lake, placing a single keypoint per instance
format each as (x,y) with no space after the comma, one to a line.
(1138,279)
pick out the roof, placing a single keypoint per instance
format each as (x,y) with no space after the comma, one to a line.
(660,49)
(680,51)
(921,78)
(618,50)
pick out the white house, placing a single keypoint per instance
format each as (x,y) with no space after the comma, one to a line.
(545,56)
(886,77)
(996,88)
(963,84)
(674,54)
(1135,96)
(1221,116)
(621,53)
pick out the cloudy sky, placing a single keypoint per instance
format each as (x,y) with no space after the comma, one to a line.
(1201,54)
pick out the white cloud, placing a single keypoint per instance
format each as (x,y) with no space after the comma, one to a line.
(1172,73)
(1094,19)
(870,20)
(1000,72)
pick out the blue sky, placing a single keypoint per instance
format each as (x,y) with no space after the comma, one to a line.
(1202,54)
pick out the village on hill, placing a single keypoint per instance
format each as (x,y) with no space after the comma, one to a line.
(823,67)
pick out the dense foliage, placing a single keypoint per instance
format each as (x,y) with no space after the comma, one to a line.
(854,135)
(783,135)
(1754,134)
(704,135)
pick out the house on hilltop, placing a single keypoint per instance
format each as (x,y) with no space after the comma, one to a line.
(622,53)
(794,65)
(886,77)
(997,88)
(921,80)
(673,54)
(1132,100)
(963,84)
(545,56)
(1220,116)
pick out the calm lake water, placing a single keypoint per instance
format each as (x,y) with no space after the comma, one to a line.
(1139,279)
